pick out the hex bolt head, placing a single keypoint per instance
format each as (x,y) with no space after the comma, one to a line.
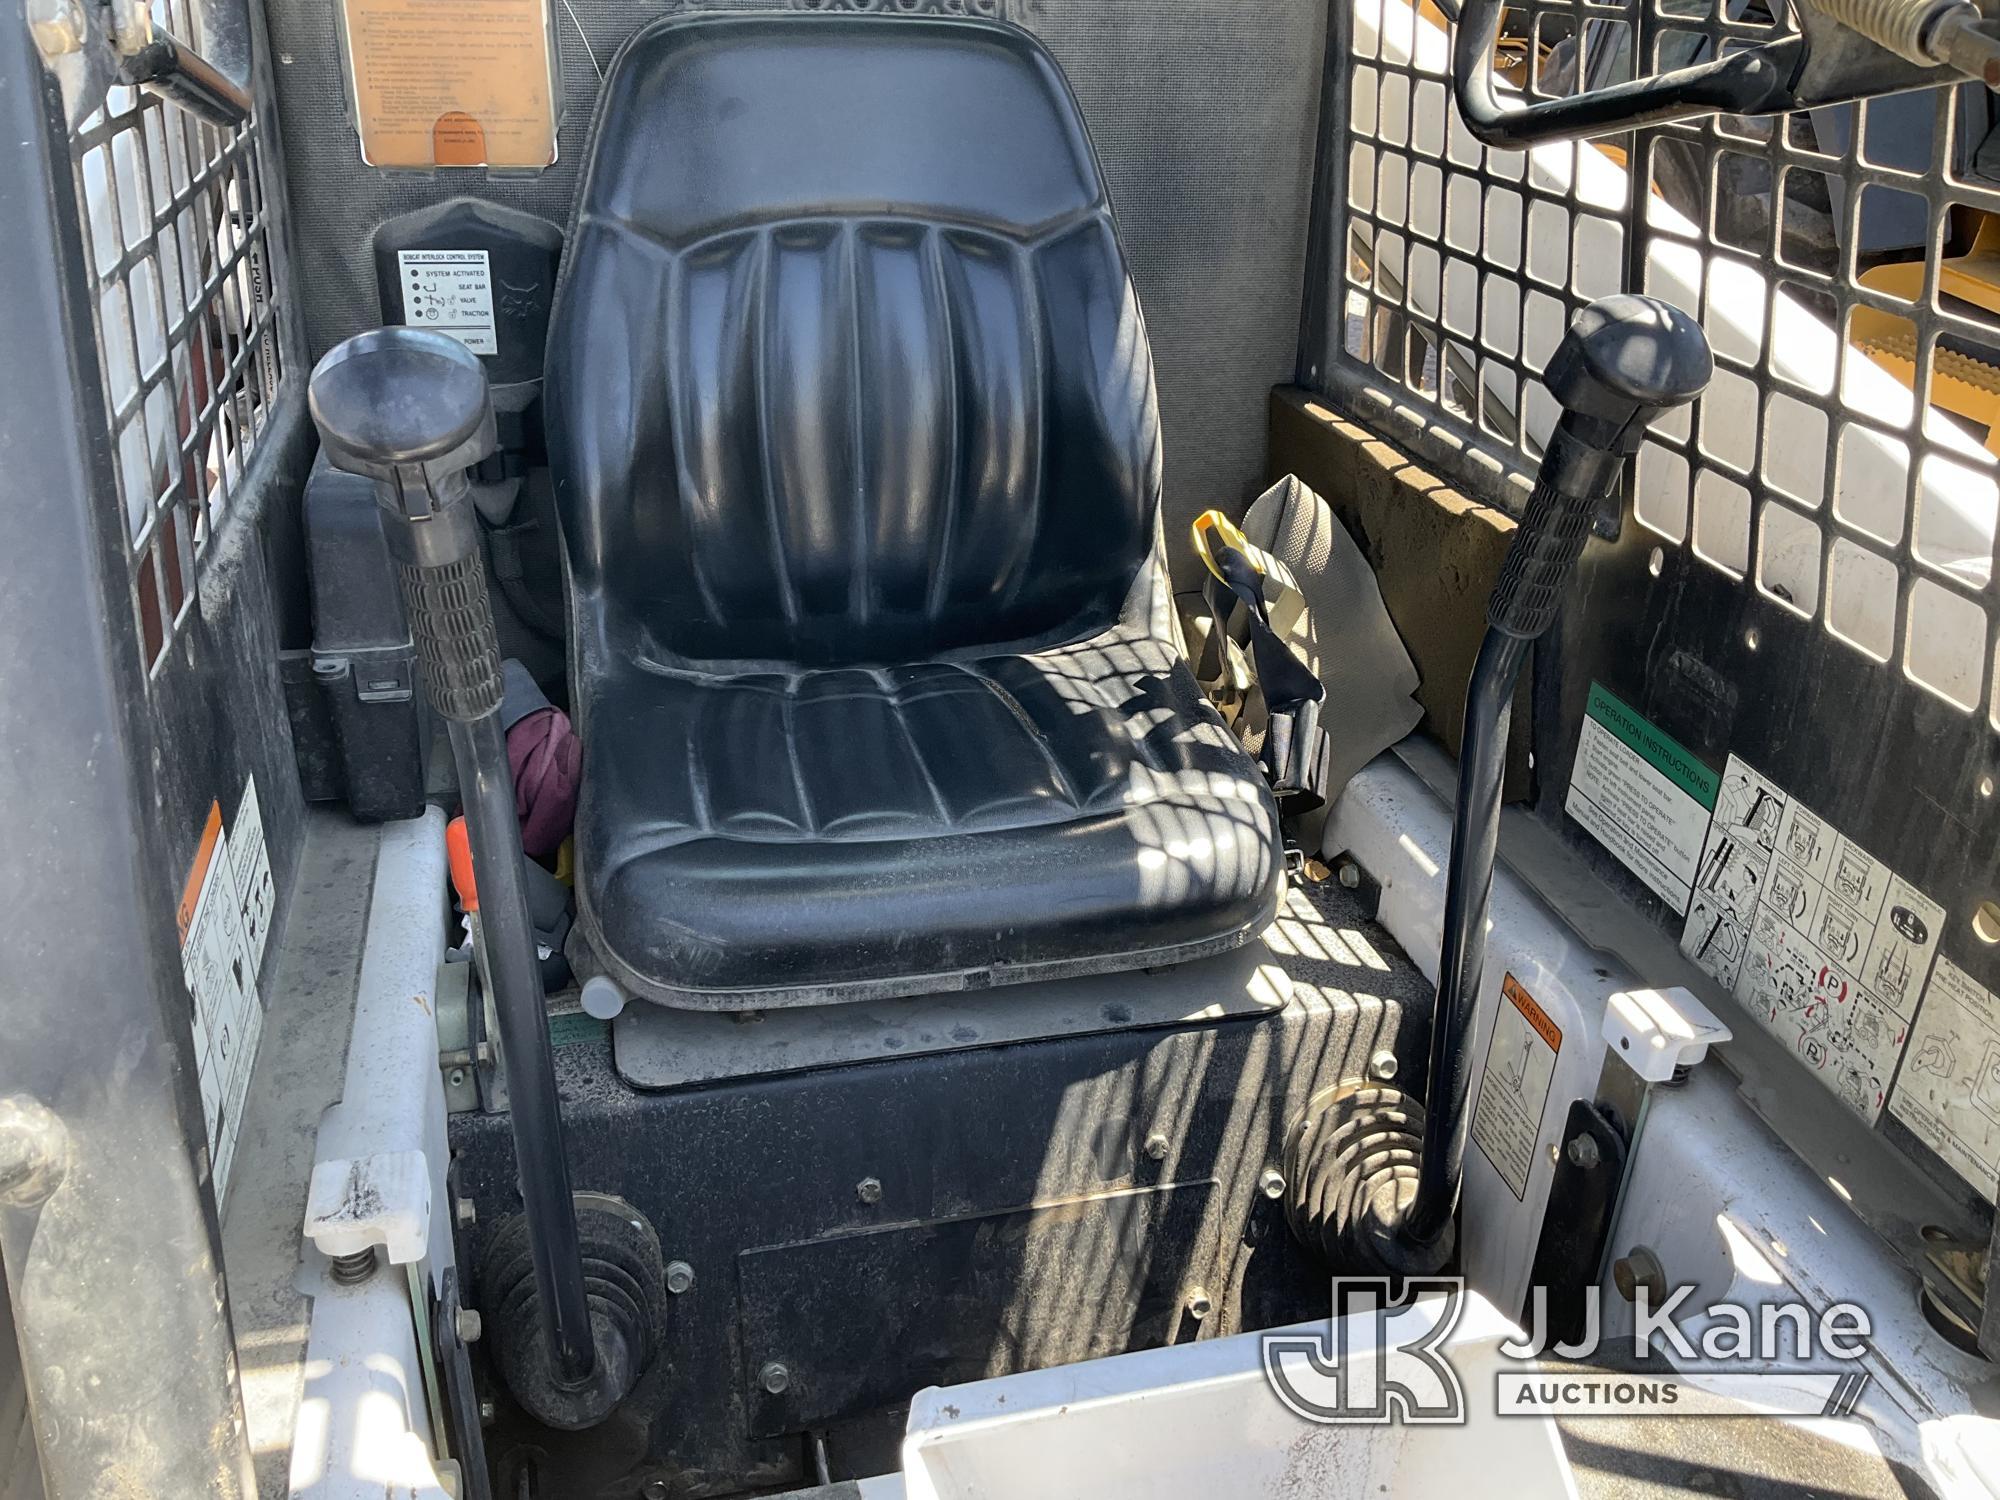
(1271,1183)
(775,1378)
(1583,1152)
(1640,1267)
(1383,1066)
(869,1190)
(1156,1146)
(680,1276)
(487,1411)
(465,1212)
(1199,1304)
(468,1325)
(1348,873)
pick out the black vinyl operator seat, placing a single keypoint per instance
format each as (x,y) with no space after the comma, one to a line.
(852,418)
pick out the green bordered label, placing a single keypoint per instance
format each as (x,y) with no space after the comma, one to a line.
(1642,794)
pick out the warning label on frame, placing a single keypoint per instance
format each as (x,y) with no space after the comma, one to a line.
(1514,1089)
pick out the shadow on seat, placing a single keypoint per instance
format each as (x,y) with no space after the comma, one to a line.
(851,413)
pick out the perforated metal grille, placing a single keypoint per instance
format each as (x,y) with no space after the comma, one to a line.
(178,240)
(1841,260)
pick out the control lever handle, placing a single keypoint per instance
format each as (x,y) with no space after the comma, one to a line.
(1625,361)
(410,409)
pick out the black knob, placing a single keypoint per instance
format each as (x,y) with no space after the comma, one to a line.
(1624,361)
(408,408)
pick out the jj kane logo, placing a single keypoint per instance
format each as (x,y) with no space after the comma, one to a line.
(1396,1358)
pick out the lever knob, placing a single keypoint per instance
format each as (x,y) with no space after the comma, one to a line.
(406,407)
(410,409)
(1624,362)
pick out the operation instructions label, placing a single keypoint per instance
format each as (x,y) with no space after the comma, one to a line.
(1514,1088)
(450,291)
(1642,794)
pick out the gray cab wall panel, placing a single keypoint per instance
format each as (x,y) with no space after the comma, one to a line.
(1203,111)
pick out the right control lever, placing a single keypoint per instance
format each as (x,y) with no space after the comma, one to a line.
(1374,1176)
(1624,362)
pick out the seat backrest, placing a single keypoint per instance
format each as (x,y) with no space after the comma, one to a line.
(845,364)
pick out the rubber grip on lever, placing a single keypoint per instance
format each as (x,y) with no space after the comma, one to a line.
(1536,571)
(451,620)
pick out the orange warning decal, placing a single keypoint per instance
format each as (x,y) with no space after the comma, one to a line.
(1532,1013)
(211,834)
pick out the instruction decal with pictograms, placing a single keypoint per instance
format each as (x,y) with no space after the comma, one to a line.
(225,921)
(1949,1090)
(1824,944)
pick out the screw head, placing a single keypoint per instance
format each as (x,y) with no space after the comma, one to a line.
(1271,1183)
(1157,1145)
(1583,1152)
(1383,1066)
(656,1489)
(775,1378)
(1640,1267)
(869,1190)
(680,1276)
(456,1078)
(1199,1304)
(468,1325)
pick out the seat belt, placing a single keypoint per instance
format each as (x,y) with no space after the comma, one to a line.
(1252,600)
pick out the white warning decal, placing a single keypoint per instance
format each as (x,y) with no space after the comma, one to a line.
(1820,941)
(225,920)
(450,291)
(1949,1089)
(1642,794)
(1514,1088)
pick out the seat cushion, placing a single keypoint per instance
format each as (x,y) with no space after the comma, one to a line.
(797,837)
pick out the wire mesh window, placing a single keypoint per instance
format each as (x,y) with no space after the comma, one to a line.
(178,231)
(1845,263)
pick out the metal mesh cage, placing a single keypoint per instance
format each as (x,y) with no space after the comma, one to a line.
(179,242)
(1842,261)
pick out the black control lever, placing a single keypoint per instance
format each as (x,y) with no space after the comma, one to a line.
(410,409)
(1625,361)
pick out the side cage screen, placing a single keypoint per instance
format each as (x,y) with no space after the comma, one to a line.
(181,223)
(1803,595)
(1842,261)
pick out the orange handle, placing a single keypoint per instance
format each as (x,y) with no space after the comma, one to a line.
(458,846)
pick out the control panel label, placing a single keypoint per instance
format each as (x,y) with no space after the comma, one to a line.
(1514,1086)
(1949,1090)
(1641,794)
(1822,943)
(450,291)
